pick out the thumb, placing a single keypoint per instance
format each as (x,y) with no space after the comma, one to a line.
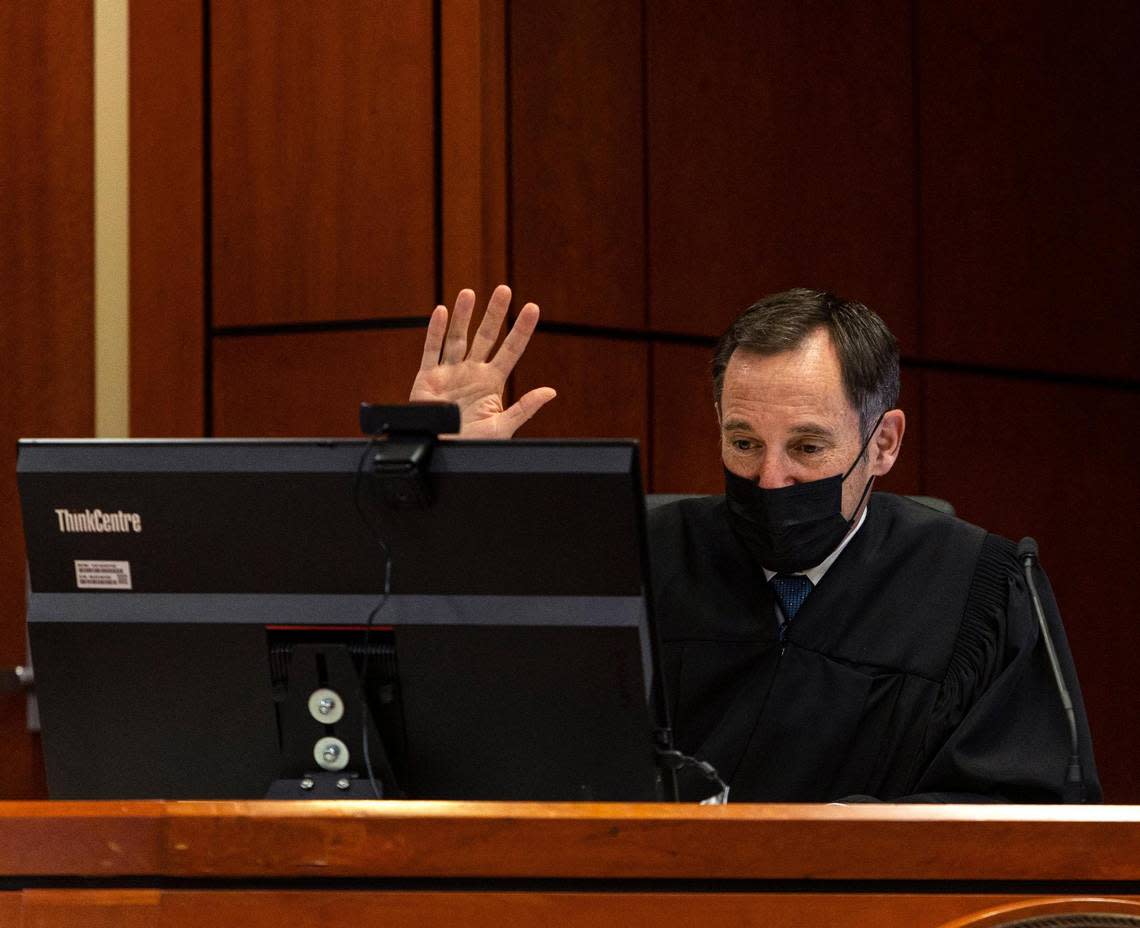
(525,407)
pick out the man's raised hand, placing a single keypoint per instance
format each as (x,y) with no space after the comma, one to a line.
(450,372)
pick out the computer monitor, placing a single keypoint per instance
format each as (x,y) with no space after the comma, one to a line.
(193,603)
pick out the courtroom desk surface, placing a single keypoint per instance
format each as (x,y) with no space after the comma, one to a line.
(587,841)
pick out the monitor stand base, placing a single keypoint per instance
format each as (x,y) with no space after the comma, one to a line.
(324,785)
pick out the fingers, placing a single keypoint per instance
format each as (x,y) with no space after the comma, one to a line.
(488,331)
(455,345)
(517,339)
(433,342)
(447,344)
(526,406)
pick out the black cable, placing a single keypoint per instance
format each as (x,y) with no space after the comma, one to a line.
(386,549)
(675,760)
(364,713)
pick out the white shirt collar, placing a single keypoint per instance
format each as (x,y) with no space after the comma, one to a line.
(815,574)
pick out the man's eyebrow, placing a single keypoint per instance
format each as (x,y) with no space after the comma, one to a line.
(806,428)
(811,428)
(736,425)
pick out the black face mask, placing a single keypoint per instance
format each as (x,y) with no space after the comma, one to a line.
(792,528)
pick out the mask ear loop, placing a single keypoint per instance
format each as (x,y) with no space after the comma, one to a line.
(866,442)
(858,457)
(862,496)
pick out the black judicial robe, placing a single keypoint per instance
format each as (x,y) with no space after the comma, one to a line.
(913,671)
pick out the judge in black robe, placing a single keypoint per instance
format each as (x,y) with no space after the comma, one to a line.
(914,671)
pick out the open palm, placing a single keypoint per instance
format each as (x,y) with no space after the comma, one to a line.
(450,372)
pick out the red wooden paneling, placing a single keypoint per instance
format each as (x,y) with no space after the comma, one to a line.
(323,159)
(1058,462)
(686,436)
(309,383)
(582,909)
(576,159)
(1030,198)
(47,269)
(601,384)
(92,908)
(167,327)
(781,149)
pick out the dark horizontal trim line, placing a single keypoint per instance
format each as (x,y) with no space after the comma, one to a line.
(627,335)
(617,333)
(419,322)
(1010,373)
(581,885)
(336,325)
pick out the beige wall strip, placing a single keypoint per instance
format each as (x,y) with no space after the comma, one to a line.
(112,285)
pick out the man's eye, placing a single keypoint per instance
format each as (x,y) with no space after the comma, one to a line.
(810,449)
(742,444)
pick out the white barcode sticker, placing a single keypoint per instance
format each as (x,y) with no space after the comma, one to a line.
(103,575)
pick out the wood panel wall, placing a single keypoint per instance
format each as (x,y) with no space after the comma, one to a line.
(167,219)
(1029,210)
(47,275)
(644,171)
(781,154)
(323,165)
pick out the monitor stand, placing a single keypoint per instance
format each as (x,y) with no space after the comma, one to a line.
(322,723)
(324,785)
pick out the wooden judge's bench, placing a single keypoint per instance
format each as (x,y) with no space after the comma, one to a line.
(562,865)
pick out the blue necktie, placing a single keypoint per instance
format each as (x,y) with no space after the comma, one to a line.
(791,591)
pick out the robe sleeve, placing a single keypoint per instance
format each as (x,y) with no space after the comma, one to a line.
(998,731)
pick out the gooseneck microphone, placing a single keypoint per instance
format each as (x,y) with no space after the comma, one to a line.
(1074,778)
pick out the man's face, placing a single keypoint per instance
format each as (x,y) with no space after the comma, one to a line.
(786,419)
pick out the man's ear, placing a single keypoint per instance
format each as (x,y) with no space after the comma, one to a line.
(887,442)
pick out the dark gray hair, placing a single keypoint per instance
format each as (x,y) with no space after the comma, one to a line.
(868,352)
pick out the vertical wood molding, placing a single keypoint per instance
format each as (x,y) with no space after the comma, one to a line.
(472,123)
(112,264)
